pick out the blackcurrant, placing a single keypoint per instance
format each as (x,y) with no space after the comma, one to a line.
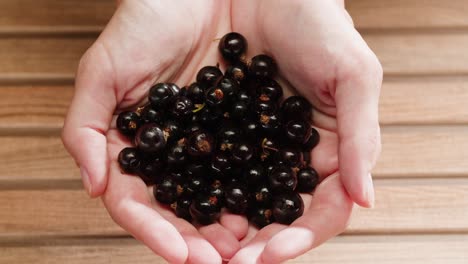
(128,123)
(262,66)
(150,138)
(129,160)
(287,207)
(208,76)
(307,180)
(232,46)
(296,108)
(282,179)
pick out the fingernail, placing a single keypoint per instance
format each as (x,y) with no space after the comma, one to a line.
(370,191)
(86,180)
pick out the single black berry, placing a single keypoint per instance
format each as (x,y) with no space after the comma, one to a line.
(151,115)
(282,178)
(236,199)
(128,123)
(287,207)
(262,66)
(208,76)
(270,91)
(129,160)
(232,46)
(260,216)
(200,144)
(243,153)
(298,131)
(150,138)
(160,94)
(182,208)
(166,191)
(237,71)
(181,107)
(196,93)
(296,108)
(205,209)
(307,180)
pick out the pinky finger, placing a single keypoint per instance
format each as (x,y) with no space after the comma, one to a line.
(327,216)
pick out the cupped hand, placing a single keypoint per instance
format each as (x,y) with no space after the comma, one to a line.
(324,58)
(144,43)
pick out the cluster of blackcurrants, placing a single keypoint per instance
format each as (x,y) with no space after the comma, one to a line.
(224,141)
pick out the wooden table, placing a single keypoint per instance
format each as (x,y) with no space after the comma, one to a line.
(421,213)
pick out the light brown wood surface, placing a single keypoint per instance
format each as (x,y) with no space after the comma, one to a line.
(404,249)
(421,213)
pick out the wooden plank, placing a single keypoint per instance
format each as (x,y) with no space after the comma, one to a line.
(400,53)
(407,152)
(353,250)
(34,106)
(424,151)
(53,212)
(383,14)
(33,158)
(402,206)
(414,53)
(424,101)
(415,206)
(56,13)
(41,55)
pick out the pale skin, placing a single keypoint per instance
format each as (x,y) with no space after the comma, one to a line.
(319,53)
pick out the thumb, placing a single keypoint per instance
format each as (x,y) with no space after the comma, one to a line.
(88,118)
(357,97)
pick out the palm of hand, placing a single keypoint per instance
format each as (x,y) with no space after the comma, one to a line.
(134,55)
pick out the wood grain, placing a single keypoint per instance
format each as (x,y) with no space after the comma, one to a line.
(381,14)
(57,13)
(34,106)
(402,206)
(419,53)
(423,101)
(54,55)
(400,54)
(352,250)
(424,151)
(53,212)
(33,158)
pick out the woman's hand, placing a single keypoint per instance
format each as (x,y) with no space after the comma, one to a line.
(145,42)
(324,58)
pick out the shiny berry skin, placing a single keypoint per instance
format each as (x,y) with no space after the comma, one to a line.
(238,111)
(270,91)
(228,136)
(298,131)
(181,107)
(160,94)
(128,123)
(221,166)
(150,138)
(200,144)
(166,191)
(232,46)
(151,115)
(237,72)
(236,199)
(262,196)
(244,96)
(296,108)
(251,129)
(192,127)
(260,216)
(182,208)
(174,88)
(290,157)
(242,154)
(313,141)
(151,168)
(176,155)
(205,209)
(282,179)
(196,93)
(307,180)
(262,66)
(129,160)
(287,207)
(195,169)
(255,174)
(264,107)
(208,76)
(196,185)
